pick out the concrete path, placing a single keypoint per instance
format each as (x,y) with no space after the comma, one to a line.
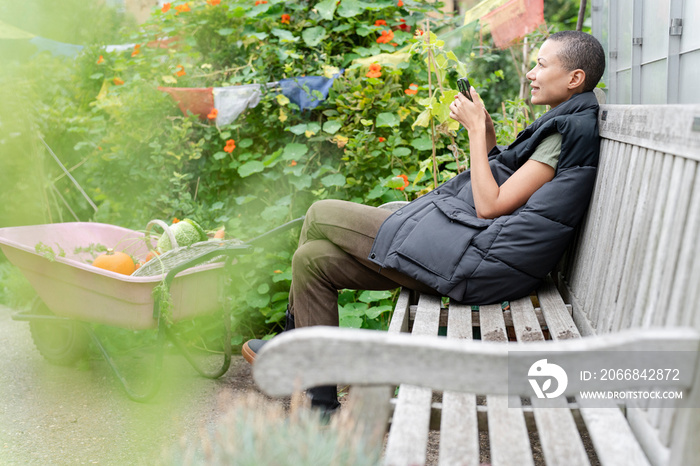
(61,415)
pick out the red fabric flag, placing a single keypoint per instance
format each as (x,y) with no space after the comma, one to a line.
(514,20)
(198,100)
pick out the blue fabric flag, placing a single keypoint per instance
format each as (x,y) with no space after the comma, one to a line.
(294,90)
(54,47)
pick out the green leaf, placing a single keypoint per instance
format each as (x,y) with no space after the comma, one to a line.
(377,192)
(298,129)
(275,213)
(350,8)
(370,296)
(350,322)
(97,76)
(326,9)
(375,311)
(313,36)
(248,168)
(423,119)
(259,35)
(294,151)
(332,127)
(217,205)
(387,119)
(219,155)
(395,182)
(284,35)
(244,143)
(225,31)
(402,152)
(256,300)
(264,288)
(366,122)
(422,143)
(302,182)
(333,180)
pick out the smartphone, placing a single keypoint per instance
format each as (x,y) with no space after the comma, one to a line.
(464,87)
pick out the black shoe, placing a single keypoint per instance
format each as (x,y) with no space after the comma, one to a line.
(252,347)
(325,400)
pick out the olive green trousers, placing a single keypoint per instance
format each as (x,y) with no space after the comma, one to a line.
(334,244)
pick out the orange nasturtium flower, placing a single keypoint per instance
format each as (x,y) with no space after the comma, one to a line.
(213,2)
(412,89)
(180,71)
(403,26)
(386,37)
(118,81)
(375,70)
(166,7)
(230,145)
(260,2)
(137,49)
(400,4)
(381,139)
(185,7)
(380,22)
(405,182)
(285,19)
(100,60)
(293,163)
(213,114)
(176,220)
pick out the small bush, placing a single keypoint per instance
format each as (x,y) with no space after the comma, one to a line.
(255,431)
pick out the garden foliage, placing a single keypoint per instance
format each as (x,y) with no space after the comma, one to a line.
(382,134)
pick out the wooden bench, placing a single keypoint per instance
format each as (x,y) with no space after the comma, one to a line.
(630,282)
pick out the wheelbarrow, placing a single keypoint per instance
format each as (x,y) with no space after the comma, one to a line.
(73,295)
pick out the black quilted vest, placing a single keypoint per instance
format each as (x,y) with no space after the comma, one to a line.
(438,239)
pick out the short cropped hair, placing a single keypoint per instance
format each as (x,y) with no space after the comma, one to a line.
(581,51)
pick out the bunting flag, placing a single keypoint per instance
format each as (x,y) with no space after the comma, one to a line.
(482,9)
(54,47)
(301,90)
(514,20)
(231,101)
(196,100)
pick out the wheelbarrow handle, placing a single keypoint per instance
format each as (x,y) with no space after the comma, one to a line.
(275,231)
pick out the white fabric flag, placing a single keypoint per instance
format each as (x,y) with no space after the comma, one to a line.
(234,100)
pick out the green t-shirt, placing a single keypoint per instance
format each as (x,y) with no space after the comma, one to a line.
(548,150)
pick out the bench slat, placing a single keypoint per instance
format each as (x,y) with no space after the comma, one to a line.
(611,199)
(400,318)
(626,312)
(408,438)
(681,303)
(525,323)
(459,430)
(610,449)
(614,441)
(510,443)
(615,267)
(556,426)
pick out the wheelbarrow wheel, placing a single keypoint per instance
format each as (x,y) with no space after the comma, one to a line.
(60,342)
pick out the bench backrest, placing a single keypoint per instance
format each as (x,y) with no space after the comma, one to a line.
(635,263)
(635,260)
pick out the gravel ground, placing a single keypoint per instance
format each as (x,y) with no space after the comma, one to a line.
(66,415)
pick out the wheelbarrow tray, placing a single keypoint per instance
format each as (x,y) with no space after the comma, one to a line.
(70,287)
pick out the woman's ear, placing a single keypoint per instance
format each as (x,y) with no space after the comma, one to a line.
(577,79)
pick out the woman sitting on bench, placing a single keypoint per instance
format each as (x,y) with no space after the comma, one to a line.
(491,233)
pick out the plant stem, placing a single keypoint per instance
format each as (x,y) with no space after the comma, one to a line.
(430,95)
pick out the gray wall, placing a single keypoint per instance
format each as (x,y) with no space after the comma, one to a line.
(649,61)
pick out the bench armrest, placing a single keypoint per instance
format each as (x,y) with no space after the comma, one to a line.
(315,356)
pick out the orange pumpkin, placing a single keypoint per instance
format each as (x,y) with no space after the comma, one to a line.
(151,255)
(115,261)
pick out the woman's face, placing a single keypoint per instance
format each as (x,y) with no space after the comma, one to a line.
(549,80)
